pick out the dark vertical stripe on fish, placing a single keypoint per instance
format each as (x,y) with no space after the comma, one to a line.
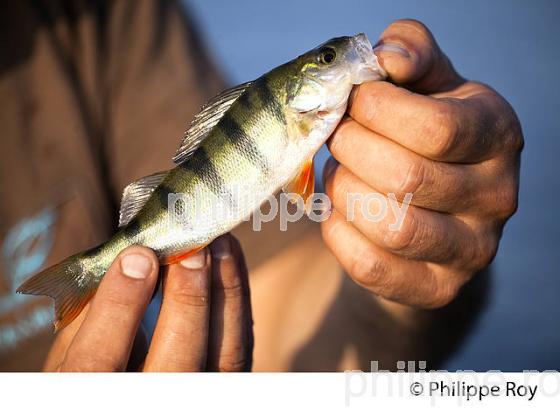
(201,164)
(93,252)
(243,143)
(268,99)
(163,192)
(244,100)
(132,229)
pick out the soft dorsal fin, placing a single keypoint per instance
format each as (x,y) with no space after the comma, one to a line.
(206,119)
(136,194)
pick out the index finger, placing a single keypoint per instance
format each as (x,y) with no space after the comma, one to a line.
(449,129)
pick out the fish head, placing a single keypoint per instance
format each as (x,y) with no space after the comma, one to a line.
(345,60)
(323,79)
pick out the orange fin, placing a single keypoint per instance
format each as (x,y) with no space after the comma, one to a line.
(180,256)
(68,285)
(304,182)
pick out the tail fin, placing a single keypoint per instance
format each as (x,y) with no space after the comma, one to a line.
(68,284)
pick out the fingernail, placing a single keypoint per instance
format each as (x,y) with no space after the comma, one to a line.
(221,247)
(136,266)
(196,261)
(391,48)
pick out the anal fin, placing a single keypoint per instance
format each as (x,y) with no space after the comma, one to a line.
(180,256)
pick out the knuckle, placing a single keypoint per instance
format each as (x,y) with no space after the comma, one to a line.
(369,270)
(231,290)
(189,297)
(488,254)
(367,100)
(398,240)
(446,293)
(234,362)
(115,298)
(413,180)
(236,357)
(514,140)
(485,253)
(442,128)
(508,125)
(517,141)
(509,202)
(510,208)
(504,199)
(413,24)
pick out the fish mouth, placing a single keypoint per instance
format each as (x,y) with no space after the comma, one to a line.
(369,67)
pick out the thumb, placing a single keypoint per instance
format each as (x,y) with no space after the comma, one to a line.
(410,55)
(105,339)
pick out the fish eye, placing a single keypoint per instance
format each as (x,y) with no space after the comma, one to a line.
(327,55)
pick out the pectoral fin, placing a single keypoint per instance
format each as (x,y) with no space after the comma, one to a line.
(304,183)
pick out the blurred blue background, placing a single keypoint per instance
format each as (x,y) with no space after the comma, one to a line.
(511,45)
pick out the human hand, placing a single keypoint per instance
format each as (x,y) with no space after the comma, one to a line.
(204,324)
(454,144)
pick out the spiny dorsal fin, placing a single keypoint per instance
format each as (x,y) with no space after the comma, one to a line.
(136,194)
(206,119)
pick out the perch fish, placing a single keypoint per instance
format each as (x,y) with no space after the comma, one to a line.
(245,144)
